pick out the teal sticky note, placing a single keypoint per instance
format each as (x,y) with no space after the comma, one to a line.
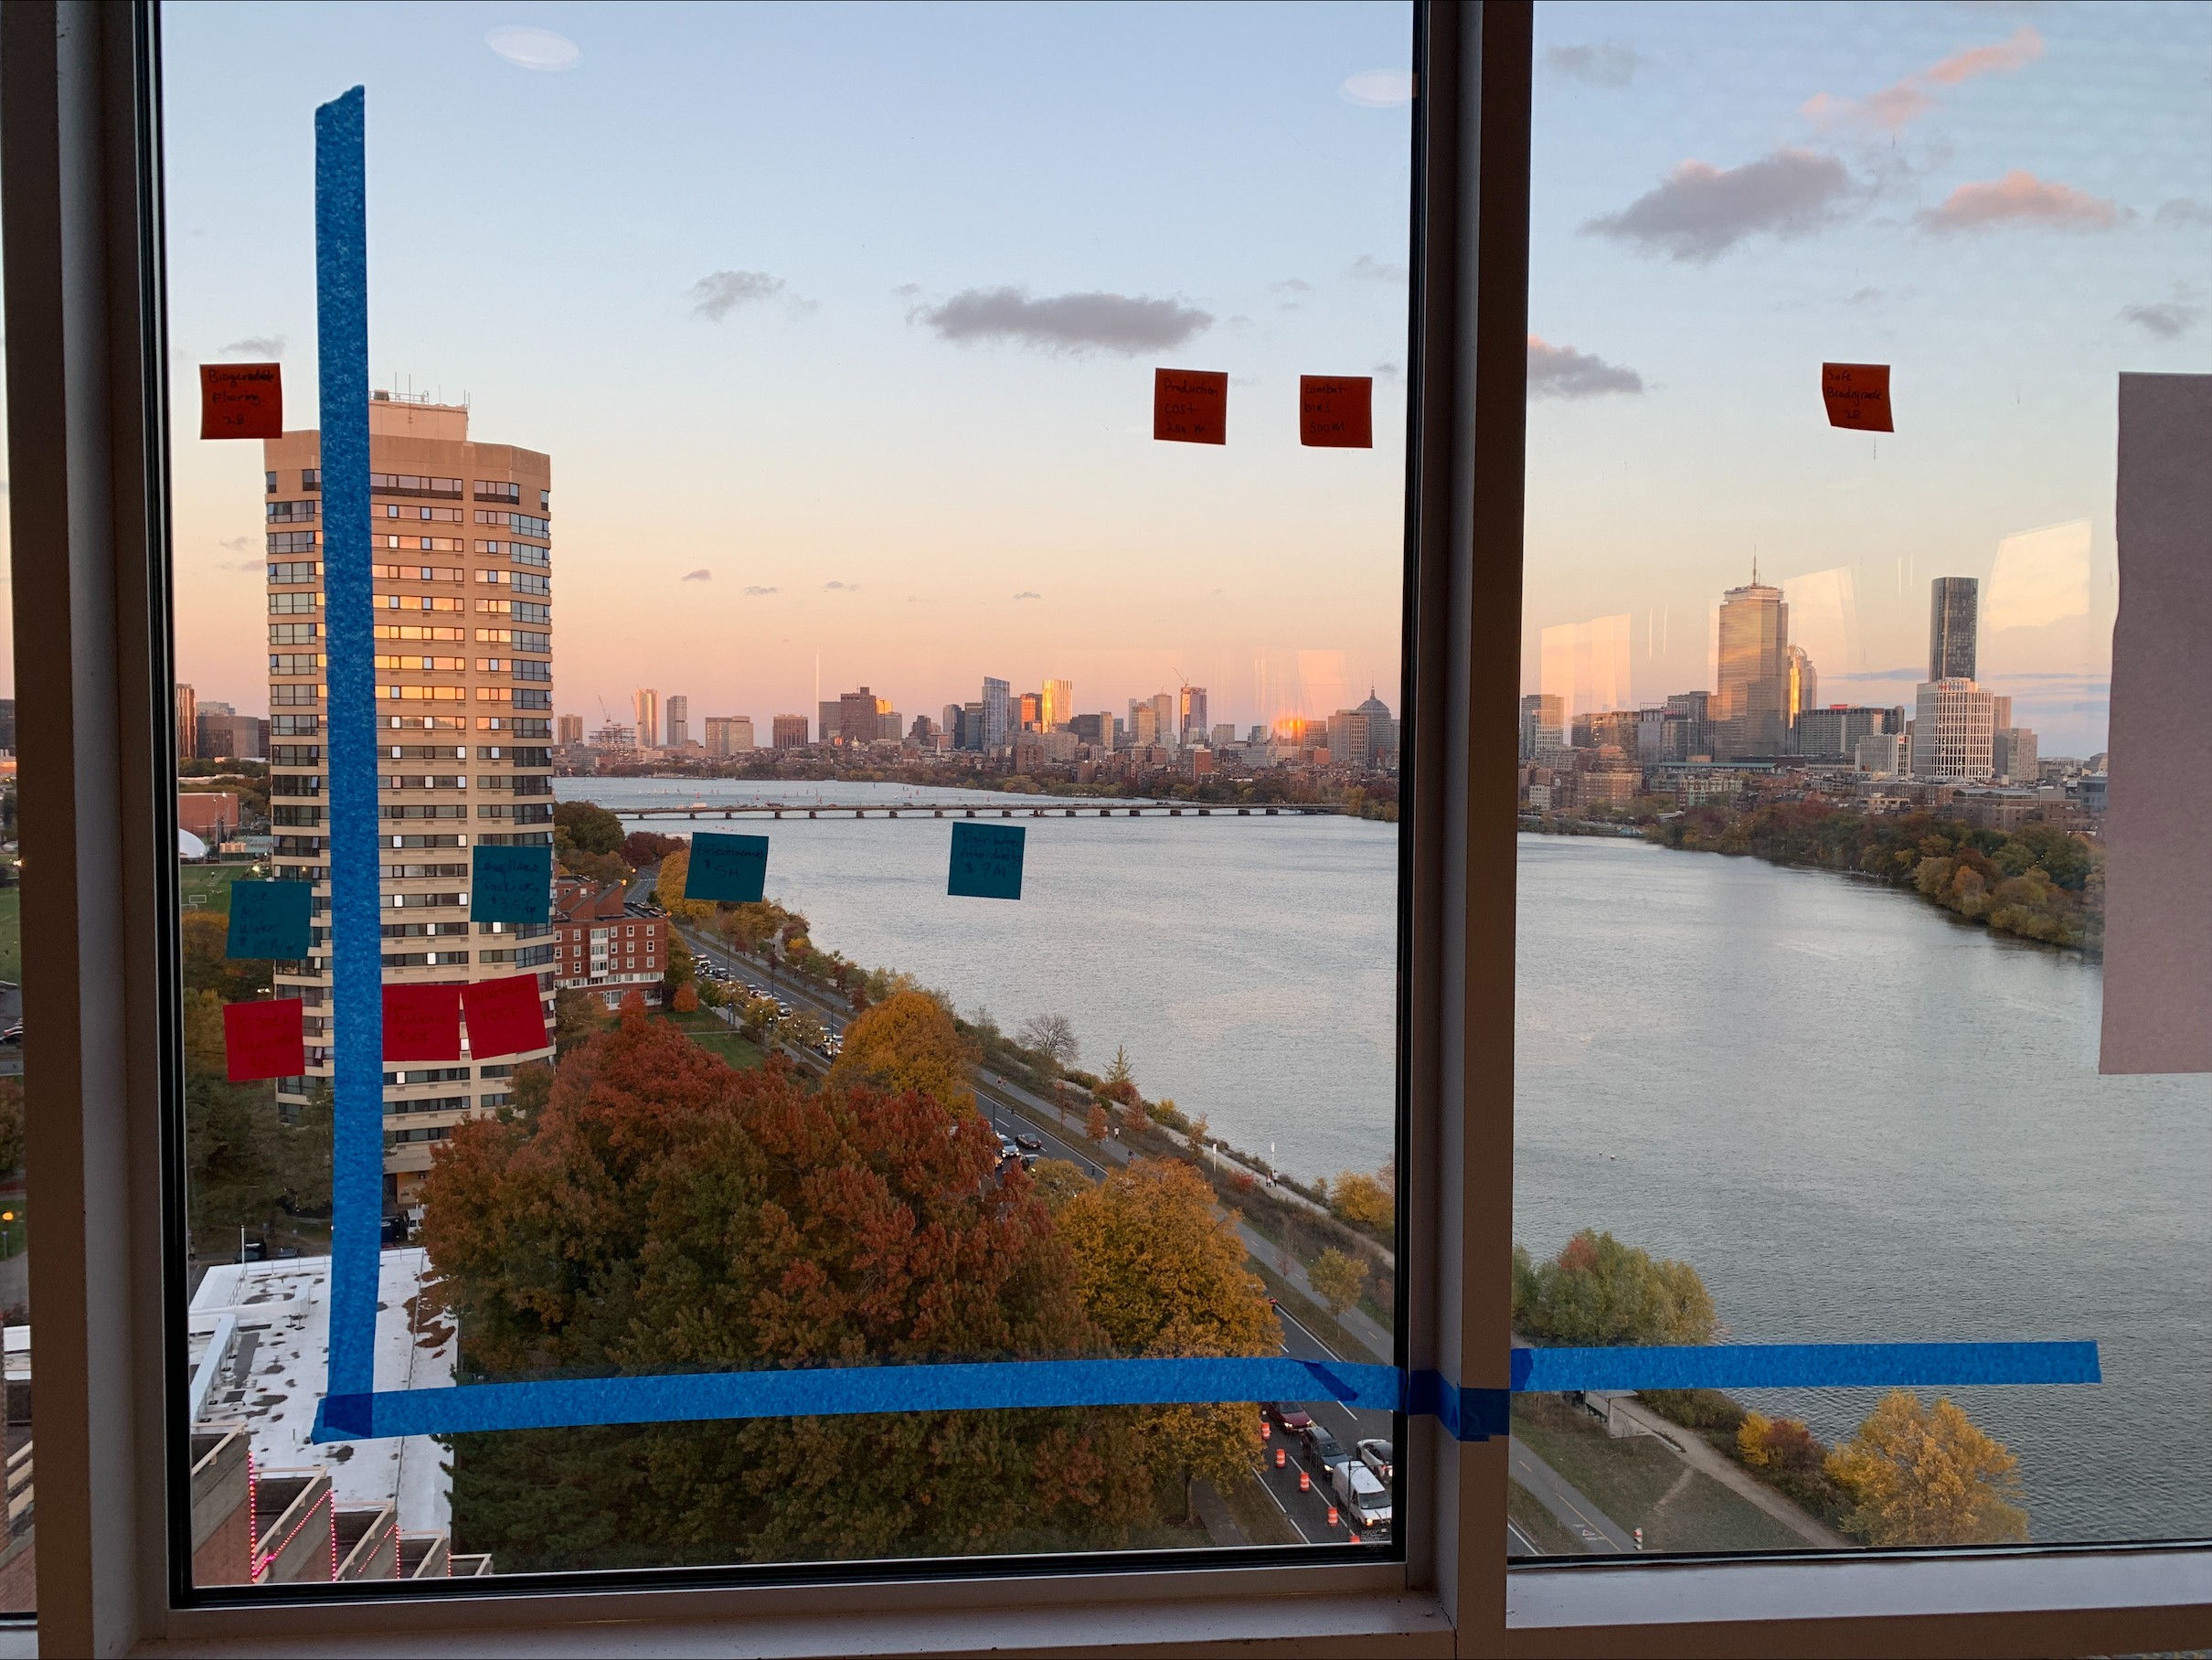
(511,885)
(986,861)
(732,870)
(269,920)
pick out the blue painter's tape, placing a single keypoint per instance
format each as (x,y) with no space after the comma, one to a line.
(1462,1414)
(269,919)
(986,861)
(348,618)
(839,1390)
(1801,1366)
(511,885)
(729,869)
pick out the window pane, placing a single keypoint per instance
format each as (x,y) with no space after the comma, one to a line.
(1815,753)
(803,426)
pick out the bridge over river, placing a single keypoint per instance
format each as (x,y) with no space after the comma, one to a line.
(925,809)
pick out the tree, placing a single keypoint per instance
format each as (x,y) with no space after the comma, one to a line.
(576,1014)
(642,847)
(11,1125)
(202,939)
(1600,1292)
(1163,1273)
(663,1213)
(586,827)
(1121,1082)
(1053,1036)
(1926,1475)
(1096,1126)
(1134,1118)
(1338,1278)
(908,1042)
(681,970)
(668,888)
(1363,1200)
(1056,1181)
(686,999)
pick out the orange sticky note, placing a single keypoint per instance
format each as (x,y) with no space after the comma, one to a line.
(1857,396)
(1336,412)
(1190,406)
(241,401)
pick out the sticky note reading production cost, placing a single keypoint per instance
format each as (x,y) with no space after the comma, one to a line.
(1857,396)
(986,861)
(241,401)
(1190,406)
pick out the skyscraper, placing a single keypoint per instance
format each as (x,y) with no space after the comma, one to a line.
(571,729)
(187,722)
(788,732)
(1190,710)
(646,706)
(1543,722)
(1058,705)
(1803,690)
(729,735)
(1953,618)
(1954,732)
(1164,718)
(1750,714)
(679,721)
(998,714)
(462,738)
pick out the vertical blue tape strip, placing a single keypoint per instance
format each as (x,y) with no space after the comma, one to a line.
(350,718)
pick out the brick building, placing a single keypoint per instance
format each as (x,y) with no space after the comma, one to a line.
(602,944)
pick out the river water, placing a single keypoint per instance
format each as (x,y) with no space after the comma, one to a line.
(1860,1118)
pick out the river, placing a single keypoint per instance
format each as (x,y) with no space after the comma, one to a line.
(1859,1117)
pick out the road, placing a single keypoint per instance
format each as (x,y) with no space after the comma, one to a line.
(1599,1532)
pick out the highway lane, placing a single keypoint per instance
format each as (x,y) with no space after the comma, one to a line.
(1599,1532)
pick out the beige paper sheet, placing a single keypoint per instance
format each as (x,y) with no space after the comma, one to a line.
(2158,903)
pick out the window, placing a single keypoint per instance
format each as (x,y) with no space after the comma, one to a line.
(492,490)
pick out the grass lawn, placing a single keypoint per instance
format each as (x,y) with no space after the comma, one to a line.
(1541,1526)
(11,935)
(1640,1484)
(707,1030)
(207,887)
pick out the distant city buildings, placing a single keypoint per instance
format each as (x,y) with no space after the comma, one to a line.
(679,722)
(569,728)
(604,944)
(646,708)
(729,735)
(1750,713)
(788,732)
(1057,705)
(1954,622)
(1190,714)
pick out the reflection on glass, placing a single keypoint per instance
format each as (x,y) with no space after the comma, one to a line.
(1842,1088)
(839,472)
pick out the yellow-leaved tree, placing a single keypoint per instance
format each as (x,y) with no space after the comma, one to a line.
(1363,1200)
(675,867)
(1926,1475)
(908,1042)
(1163,1273)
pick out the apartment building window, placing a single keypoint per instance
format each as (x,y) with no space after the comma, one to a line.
(1480,243)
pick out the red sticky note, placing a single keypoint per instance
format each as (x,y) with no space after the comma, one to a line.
(263,1040)
(1857,396)
(1336,412)
(241,401)
(506,1017)
(1190,406)
(422,1023)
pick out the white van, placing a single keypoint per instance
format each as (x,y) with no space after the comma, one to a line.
(1365,1498)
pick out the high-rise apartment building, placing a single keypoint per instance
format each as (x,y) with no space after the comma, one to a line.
(1191,722)
(829,720)
(679,722)
(1543,722)
(2013,755)
(1143,722)
(571,729)
(998,715)
(187,722)
(1751,712)
(729,735)
(1056,707)
(1029,712)
(863,718)
(1804,685)
(645,710)
(1953,621)
(1833,732)
(1953,732)
(464,697)
(1164,718)
(788,732)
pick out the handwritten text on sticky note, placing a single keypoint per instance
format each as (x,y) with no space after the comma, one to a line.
(1336,412)
(986,861)
(1857,396)
(729,869)
(1190,406)
(422,1023)
(264,1040)
(505,1017)
(511,885)
(241,401)
(269,920)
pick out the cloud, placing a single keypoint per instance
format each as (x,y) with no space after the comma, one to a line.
(718,293)
(1911,671)
(1609,65)
(1368,268)
(1028,594)
(2019,198)
(263,346)
(1378,88)
(238,544)
(754,593)
(1899,105)
(534,48)
(1385,371)
(840,587)
(1070,324)
(1560,371)
(700,575)
(2168,320)
(1290,285)
(1699,211)
(2184,210)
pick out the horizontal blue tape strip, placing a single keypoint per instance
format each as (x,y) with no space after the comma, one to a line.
(1467,1414)
(1800,1365)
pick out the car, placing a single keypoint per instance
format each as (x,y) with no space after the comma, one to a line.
(13,1034)
(1324,1447)
(1376,1455)
(1007,1150)
(1288,1418)
(1029,1143)
(1358,1492)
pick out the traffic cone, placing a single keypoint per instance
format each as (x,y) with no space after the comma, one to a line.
(1333,1515)
(1306,1482)
(1279,1458)
(1352,1538)
(1267,1430)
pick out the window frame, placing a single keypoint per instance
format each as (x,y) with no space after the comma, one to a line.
(86,370)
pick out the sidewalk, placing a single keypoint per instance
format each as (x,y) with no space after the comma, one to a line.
(1698,1453)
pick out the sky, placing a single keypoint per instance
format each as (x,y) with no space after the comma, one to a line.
(839,324)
